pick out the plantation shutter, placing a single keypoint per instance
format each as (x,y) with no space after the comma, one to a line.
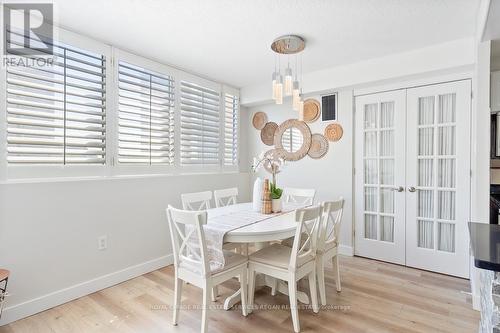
(56,114)
(230,130)
(200,125)
(146,116)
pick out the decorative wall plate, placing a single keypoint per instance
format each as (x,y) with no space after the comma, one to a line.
(312,110)
(319,146)
(334,132)
(301,128)
(267,133)
(259,120)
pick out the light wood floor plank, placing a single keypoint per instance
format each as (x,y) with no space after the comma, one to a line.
(376,297)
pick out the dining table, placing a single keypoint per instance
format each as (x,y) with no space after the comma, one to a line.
(259,233)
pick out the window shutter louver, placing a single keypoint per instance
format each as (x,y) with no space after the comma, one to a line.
(230,130)
(146,116)
(200,125)
(56,114)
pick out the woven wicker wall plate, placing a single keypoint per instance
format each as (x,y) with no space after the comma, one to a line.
(312,110)
(306,136)
(334,132)
(267,133)
(259,120)
(319,146)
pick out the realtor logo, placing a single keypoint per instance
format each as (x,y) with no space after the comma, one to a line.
(28,29)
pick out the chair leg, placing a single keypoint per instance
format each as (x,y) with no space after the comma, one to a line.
(215,293)
(244,296)
(336,270)
(251,288)
(177,300)
(320,274)
(292,293)
(313,291)
(204,309)
(274,286)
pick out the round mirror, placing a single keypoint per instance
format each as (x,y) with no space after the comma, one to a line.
(292,139)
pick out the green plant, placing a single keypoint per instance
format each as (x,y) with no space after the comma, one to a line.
(276,192)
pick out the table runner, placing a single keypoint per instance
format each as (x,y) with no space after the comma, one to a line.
(224,219)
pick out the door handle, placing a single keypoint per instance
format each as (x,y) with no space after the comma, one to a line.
(411,189)
(399,189)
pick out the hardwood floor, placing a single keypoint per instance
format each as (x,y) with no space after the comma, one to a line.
(375,297)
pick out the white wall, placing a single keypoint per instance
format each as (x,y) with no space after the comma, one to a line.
(49,231)
(331,176)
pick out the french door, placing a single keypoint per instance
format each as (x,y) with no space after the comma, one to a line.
(413,177)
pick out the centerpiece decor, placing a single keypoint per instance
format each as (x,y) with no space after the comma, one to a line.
(273,163)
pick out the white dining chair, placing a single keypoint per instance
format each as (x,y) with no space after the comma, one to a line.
(191,261)
(299,195)
(226,197)
(196,201)
(290,264)
(328,243)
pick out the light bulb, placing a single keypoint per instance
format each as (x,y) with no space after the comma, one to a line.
(295,96)
(288,81)
(301,110)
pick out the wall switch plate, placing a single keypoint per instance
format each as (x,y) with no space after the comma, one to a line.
(102,243)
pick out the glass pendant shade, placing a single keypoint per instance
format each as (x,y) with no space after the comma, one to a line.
(279,89)
(295,96)
(274,85)
(288,81)
(301,110)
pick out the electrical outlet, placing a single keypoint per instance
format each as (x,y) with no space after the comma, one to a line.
(102,243)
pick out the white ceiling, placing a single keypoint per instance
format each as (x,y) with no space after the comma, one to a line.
(229,40)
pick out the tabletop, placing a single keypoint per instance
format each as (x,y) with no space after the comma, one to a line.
(276,227)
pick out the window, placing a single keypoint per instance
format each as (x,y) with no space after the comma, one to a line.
(146,116)
(200,125)
(56,114)
(230,130)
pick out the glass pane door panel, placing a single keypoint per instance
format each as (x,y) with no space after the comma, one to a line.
(370,144)
(370,116)
(371,176)
(387,114)
(446,140)
(387,143)
(370,226)
(426,110)
(426,141)
(446,205)
(371,199)
(425,203)
(425,234)
(447,108)
(387,171)
(387,228)
(446,172)
(387,200)
(425,172)
(446,237)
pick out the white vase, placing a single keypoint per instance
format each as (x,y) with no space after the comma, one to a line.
(257,194)
(277,205)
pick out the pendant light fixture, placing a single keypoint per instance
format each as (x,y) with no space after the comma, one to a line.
(288,85)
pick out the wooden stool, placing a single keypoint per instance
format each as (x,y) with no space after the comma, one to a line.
(4,279)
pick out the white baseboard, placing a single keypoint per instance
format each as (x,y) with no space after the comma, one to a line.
(346,250)
(28,308)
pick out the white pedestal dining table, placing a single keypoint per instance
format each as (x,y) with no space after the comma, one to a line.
(274,228)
